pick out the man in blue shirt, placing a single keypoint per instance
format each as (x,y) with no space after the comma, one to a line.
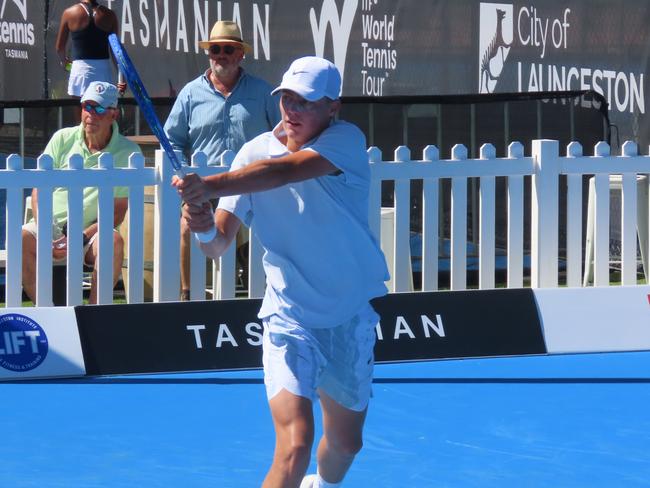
(221,109)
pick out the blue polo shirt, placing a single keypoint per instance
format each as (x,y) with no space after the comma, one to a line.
(202,119)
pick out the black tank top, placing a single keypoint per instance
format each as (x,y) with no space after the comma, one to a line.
(91,42)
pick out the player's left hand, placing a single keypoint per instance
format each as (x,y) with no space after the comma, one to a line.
(200,218)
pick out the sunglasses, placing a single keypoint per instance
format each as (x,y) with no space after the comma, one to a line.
(98,109)
(227,49)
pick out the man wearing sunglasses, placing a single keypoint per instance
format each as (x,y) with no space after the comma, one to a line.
(98,133)
(221,109)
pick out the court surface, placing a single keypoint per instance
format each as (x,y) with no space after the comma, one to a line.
(562,421)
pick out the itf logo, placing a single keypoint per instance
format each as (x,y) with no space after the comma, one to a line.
(495,39)
(22,6)
(339,26)
(23,343)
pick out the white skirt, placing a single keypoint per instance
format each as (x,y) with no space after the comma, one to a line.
(85,71)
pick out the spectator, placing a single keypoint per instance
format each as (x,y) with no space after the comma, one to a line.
(305,186)
(98,133)
(88,24)
(221,109)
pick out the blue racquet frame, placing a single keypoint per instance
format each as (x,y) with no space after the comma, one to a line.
(142,97)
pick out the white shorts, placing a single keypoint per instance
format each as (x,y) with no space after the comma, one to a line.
(338,360)
(84,71)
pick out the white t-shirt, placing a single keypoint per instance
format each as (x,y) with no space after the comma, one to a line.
(322,263)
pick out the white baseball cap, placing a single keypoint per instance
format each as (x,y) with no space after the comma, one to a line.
(105,94)
(312,78)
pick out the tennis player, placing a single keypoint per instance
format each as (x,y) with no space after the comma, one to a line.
(304,188)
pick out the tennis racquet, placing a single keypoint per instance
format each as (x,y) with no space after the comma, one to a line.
(142,98)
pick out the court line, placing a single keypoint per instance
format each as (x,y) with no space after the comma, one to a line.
(259,381)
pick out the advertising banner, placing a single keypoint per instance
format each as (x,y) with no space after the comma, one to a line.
(382,47)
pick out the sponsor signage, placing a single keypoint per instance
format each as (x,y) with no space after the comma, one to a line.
(21,49)
(39,343)
(458,324)
(225,335)
(382,47)
(213,335)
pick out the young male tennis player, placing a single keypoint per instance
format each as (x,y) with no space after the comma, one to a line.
(304,187)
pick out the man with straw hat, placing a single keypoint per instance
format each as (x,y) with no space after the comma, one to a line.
(221,109)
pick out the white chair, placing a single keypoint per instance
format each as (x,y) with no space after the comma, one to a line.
(615,184)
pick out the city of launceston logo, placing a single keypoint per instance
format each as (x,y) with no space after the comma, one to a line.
(495,39)
(23,343)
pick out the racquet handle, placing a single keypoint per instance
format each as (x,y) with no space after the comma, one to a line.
(208,235)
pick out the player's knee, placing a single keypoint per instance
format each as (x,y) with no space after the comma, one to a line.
(295,456)
(118,243)
(348,446)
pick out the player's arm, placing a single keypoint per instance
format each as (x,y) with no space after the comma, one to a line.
(201,219)
(261,175)
(62,38)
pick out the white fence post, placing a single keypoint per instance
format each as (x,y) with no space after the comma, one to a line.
(487,222)
(601,220)
(574,239)
(515,238)
(136,226)
(544,222)
(166,250)
(403,278)
(430,223)
(628,217)
(105,221)
(74,271)
(458,273)
(13,222)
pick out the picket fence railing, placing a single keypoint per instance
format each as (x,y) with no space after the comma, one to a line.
(545,167)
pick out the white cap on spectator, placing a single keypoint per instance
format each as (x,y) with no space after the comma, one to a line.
(105,94)
(312,78)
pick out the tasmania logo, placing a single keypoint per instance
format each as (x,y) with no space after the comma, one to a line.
(495,39)
(21,5)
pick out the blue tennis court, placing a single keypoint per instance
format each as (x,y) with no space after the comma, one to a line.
(541,421)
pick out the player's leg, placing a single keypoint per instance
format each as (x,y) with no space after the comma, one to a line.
(292,365)
(91,252)
(345,389)
(185,260)
(29,264)
(293,421)
(342,439)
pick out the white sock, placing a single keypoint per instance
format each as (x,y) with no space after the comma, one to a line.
(321,483)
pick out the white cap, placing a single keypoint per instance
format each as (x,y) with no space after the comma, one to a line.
(105,94)
(312,78)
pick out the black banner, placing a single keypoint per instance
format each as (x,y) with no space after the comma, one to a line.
(224,335)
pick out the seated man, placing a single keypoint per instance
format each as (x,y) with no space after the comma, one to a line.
(97,133)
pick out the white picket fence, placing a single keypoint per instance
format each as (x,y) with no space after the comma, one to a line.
(545,167)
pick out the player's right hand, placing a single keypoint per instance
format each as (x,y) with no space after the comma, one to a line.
(191,188)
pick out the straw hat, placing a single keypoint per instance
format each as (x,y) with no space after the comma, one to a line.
(225,31)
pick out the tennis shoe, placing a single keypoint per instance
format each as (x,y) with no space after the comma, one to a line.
(308,481)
